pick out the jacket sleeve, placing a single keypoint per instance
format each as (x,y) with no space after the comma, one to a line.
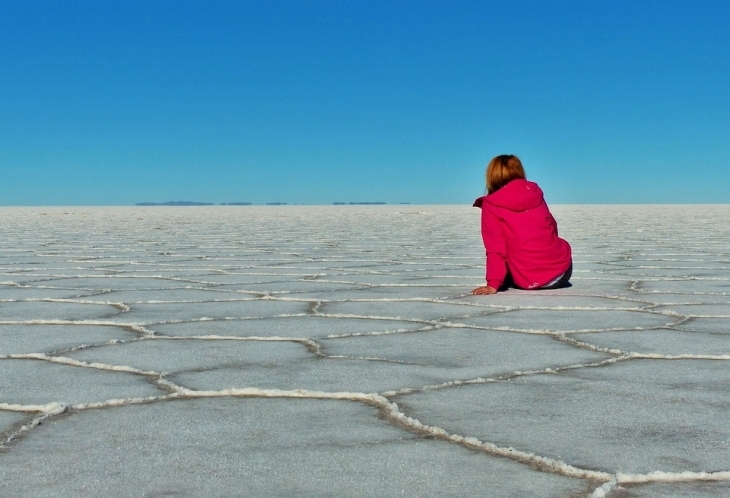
(495,246)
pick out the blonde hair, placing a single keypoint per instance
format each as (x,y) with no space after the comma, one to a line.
(501,170)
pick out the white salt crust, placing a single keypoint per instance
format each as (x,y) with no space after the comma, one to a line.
(633,274)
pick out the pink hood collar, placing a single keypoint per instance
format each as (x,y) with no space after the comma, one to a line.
(517,195)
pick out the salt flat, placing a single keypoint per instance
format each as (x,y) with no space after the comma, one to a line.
(336,351)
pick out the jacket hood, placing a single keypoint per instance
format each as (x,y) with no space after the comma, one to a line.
(517,195)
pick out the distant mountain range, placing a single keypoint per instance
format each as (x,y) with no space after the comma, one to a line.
(193,203)
(357,203)
(174,203)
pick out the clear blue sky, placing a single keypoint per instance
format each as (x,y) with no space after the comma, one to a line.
(117,102)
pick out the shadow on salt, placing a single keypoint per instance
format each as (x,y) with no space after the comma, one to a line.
(599,284)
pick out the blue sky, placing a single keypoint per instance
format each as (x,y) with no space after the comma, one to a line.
(118,102)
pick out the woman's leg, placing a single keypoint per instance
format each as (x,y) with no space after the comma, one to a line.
(564,280)
(507,283)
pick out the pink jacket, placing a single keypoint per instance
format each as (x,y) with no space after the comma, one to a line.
(521,236)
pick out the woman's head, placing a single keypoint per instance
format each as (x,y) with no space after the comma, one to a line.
(502,170)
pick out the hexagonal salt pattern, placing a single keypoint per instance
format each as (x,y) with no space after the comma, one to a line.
(254,447)
(336,351)
(634,416)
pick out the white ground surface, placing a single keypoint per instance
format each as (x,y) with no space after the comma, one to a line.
(336,351)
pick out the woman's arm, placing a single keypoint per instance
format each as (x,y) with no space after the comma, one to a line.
(496,247)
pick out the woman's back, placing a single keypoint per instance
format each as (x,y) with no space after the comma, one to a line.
(521,236)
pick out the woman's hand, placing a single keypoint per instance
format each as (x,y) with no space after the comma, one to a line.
(485,290)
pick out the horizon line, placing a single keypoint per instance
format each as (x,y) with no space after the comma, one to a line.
(353,204)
